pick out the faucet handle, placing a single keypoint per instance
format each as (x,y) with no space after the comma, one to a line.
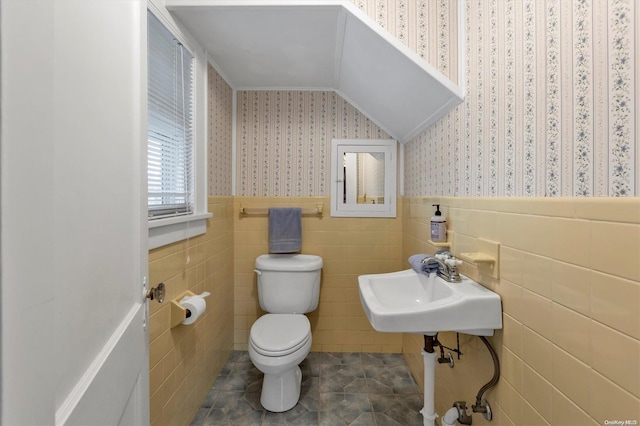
(453,261)
(454,275)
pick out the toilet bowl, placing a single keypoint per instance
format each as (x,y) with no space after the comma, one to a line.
(277,344)
(288,287)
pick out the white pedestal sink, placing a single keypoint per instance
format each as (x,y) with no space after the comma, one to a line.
(409,302)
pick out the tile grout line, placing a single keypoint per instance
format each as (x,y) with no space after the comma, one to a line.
(316,363)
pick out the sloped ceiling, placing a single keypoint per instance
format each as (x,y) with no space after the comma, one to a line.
(320,45)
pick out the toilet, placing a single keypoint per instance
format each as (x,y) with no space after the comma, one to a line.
(288,287)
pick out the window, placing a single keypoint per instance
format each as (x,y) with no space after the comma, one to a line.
(176,202)
(170,124)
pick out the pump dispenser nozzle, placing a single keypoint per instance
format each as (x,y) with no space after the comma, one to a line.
(438,212)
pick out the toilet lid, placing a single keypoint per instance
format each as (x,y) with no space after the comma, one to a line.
(279,334)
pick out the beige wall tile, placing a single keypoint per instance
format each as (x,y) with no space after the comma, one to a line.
(162,251)
(560,207)
(511,264)
(571,286)
(512,300)
(165,268)
(616,302)
(571,377)
(622,261)
(531,417)
(537,392)
(537,352)
(616,356)
(609,401)
(503,419)
(183,363)
(533,324)
(520,205)
(159,322)
(537,313)
(459,219)
(551,299)
(512,368)
(565,412)
(537,274)
(541,237)
(512,335)
(571,331)
(349,247)
(464,243)
(511,402)
(512,230)
(571,241)
(159,348)
(485,224)
(613,209)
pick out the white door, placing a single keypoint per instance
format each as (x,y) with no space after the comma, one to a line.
(74,236)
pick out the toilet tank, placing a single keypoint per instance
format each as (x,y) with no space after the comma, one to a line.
(288,283)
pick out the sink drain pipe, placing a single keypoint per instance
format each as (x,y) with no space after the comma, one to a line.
(459,410)
(429,358)
(450,417)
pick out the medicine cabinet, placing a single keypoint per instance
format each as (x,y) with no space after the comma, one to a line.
(363,178)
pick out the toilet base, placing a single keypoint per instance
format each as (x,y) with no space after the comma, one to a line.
(280,392)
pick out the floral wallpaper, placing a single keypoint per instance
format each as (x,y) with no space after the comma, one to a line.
(220,123)
(550,108)
(284,140)
(428,27)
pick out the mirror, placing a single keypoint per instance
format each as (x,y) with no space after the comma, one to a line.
(363,178)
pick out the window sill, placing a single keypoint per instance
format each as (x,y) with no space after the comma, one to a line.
(173,229)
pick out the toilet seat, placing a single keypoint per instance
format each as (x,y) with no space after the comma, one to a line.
(279,334)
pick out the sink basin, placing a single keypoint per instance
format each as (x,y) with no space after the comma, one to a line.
(409,302)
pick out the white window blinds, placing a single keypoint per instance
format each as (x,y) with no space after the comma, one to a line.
(170,124)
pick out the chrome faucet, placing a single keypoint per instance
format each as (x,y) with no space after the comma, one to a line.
(447,267)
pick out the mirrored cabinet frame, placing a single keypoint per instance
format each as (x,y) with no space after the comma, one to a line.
(349,196)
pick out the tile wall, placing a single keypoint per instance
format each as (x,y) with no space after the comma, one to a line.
(570,288)
(348,246)
(184,361)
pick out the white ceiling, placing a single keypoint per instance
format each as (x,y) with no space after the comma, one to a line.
(320,45)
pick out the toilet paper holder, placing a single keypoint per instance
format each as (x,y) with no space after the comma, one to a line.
(180,313)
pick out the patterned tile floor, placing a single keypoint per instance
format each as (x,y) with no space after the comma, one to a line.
(337,389)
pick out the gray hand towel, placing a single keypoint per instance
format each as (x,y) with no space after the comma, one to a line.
(420,265)
(285,230)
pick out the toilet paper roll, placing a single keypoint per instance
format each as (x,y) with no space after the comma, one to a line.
(196,305)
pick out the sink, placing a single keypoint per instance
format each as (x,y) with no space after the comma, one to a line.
(410,302)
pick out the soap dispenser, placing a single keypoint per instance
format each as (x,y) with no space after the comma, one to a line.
(438,226)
